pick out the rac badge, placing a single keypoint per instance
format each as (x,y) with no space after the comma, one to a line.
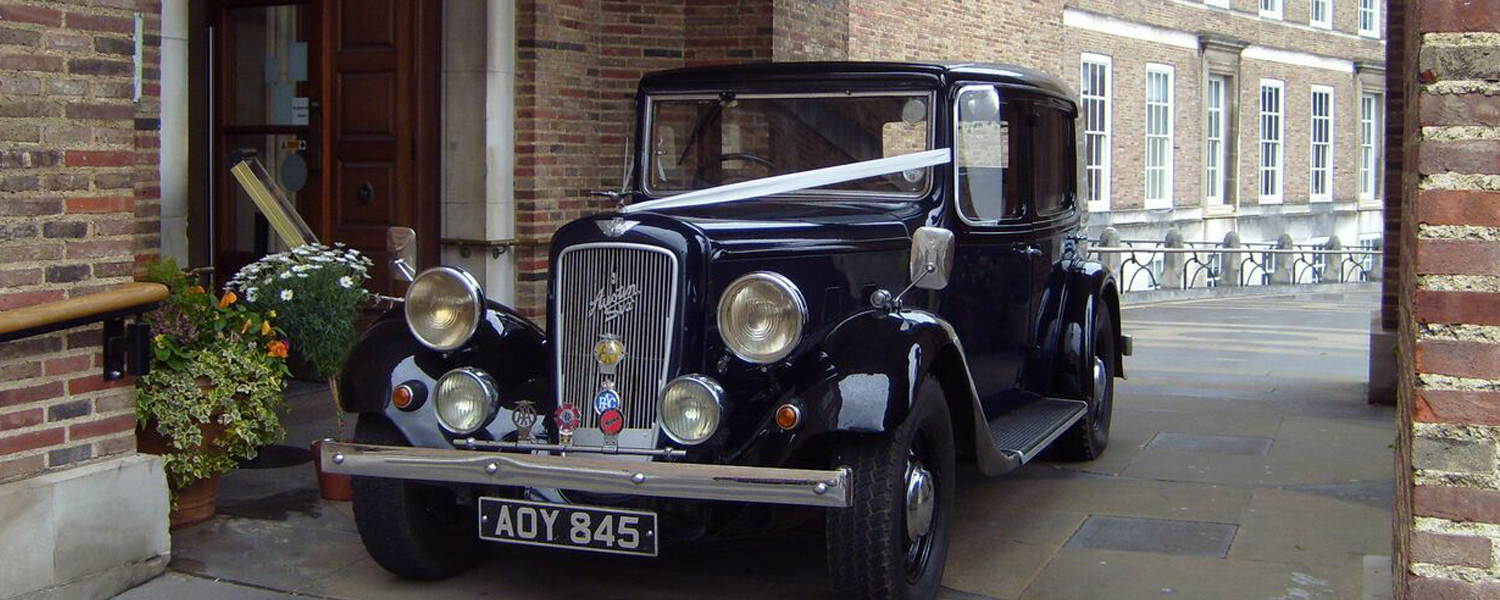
(606,401)
(614,300)
(523,416)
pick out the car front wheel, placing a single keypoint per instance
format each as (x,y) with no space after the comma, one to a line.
(892,543)
(414,530)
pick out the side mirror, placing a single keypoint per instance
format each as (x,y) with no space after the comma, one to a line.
(931,257)
(401,243)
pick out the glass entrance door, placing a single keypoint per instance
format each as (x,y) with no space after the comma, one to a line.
(267,104)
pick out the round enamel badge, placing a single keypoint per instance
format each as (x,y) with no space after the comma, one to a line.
(606,400)
(612,421)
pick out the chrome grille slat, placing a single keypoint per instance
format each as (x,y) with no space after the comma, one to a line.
(646,330)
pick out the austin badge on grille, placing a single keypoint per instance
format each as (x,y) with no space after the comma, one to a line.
(567,420)
(523,416)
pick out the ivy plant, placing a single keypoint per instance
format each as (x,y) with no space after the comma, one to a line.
(217,366)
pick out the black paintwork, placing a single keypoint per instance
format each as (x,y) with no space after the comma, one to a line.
(1017,287)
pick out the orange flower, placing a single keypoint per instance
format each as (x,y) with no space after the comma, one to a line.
(265,328)
(197,289)
(228,299)
(276,349)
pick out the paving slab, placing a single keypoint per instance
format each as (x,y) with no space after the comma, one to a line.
(177,586)
(1117,496)
(1081,573)
(1284,526)
(1184,538)
(1213,444)
(998,553)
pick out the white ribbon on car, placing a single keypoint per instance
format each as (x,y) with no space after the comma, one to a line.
(792,182)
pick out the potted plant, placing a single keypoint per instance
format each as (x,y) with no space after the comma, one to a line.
(317,290)
(210,399)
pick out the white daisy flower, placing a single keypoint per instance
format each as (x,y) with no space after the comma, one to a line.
(346,282)
(286,295)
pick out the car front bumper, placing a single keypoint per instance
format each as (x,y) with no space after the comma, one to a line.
(639,478)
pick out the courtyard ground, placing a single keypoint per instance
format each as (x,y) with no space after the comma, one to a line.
(1244,463)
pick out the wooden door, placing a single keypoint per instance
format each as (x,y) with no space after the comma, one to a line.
(383,91)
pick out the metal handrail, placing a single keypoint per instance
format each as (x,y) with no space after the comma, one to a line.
(125,345)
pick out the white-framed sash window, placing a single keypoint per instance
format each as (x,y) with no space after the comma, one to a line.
(1215,132)
(1159,130)
(1271,9)
(1094,95)
(1320,151)
(1272,157)
(1320,13)
(1369,18)
(1369,149)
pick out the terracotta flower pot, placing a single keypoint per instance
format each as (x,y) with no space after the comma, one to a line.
(331,486)
(196,503)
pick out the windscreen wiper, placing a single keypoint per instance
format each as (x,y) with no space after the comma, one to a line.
(713,115)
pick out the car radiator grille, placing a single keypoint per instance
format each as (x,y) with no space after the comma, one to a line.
(628,290)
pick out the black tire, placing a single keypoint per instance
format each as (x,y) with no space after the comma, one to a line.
(411,529)
(1088,437)
(870,554)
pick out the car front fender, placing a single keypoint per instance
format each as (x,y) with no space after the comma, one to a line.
(506,345)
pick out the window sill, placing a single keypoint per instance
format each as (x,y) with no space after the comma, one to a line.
(1218,211)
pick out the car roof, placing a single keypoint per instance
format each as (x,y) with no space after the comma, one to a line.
(933,73)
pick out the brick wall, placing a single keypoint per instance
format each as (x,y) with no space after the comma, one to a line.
(78,207)
(1449,501)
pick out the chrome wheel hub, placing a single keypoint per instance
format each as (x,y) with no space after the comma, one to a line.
(919,500)
(1101,379)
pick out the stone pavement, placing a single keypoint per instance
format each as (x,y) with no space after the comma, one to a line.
(1244,463)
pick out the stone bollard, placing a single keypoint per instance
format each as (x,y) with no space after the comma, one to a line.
(1171,270)
(1333,264)
(1229,261)
(1286,264)
(1110,238)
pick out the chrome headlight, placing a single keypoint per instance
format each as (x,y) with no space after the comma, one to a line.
(443,308)
(761,317)
(689,408)
(466,400)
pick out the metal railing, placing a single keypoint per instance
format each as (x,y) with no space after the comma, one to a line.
(1173,263)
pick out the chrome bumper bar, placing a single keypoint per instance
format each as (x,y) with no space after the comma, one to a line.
(660,479)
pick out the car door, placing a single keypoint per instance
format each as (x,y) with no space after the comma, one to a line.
(991,293)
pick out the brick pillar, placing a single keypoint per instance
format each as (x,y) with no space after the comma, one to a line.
(1448,505)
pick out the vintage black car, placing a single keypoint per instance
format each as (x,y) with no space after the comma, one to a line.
(824,287)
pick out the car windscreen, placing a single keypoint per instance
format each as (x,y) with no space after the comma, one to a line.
(704,141)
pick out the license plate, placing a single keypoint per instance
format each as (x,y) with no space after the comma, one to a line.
(593,528)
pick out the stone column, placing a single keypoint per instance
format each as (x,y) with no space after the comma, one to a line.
(1286,264)
(1447,505)
(1229,262)
(1171,270)
(1333,264)
(1110,238)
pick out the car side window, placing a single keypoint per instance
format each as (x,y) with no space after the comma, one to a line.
(987,141)
(1054,149)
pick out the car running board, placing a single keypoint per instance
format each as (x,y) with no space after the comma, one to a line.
(1023,433)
